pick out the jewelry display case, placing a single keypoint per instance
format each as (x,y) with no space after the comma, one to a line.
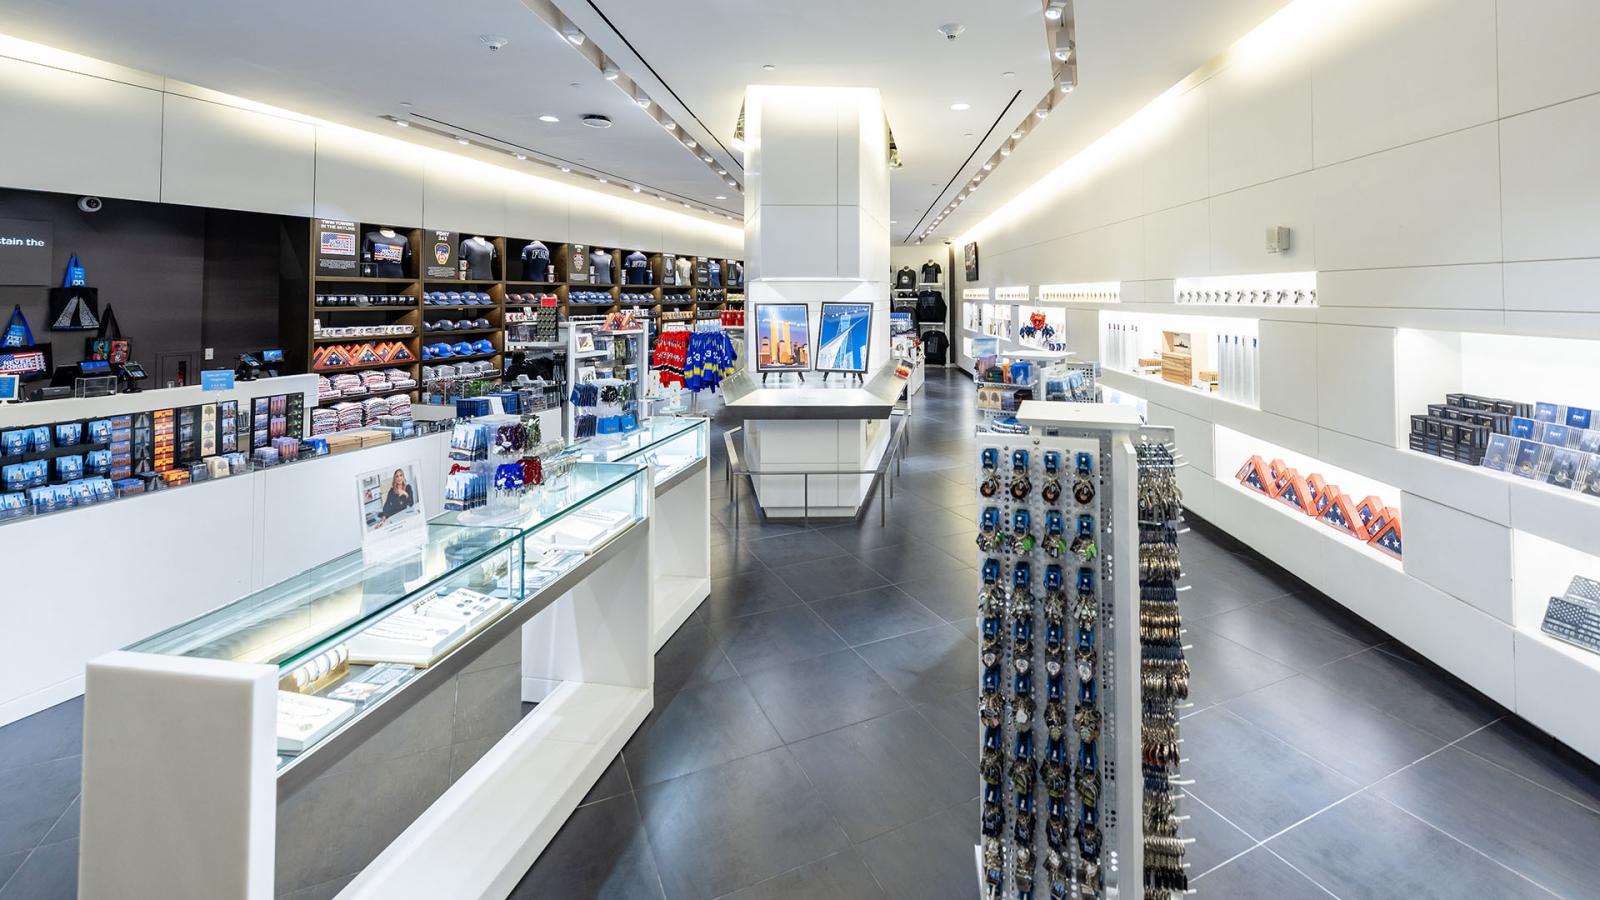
(676,450)
(367,722)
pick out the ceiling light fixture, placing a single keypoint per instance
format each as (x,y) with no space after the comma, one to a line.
(402,123)
(732,183)
(595,121)
(1005,151)
(548,119)
(601,179)
(566,168)
(689,142)
(721,197)
(462,140)
(636,189)
(722,171)
(1055,9)
(641,98)
(769,67)
(961,107)
(1042,111)
(705,159)
(611,71)
(1016,135)
(1066,84)
(670,125)
(988,167)
(521,156)
(1064,51)
(571,33)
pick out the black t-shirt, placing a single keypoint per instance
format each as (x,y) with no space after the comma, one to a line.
(480,256)
(906,279)
(536,262)
(601,261)
(931,272)
(388,254)
(637,268)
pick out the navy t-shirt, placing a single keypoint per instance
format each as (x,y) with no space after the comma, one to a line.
(637,267)
(388,254)
(536,262)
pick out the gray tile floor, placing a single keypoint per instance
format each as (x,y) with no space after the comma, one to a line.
(814,735)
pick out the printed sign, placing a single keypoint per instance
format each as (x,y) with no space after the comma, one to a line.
(440,247)
(337,248)
(216,379)
(393,522)
(25,249)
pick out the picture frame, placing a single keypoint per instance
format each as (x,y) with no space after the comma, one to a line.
(844,337)
(783,337)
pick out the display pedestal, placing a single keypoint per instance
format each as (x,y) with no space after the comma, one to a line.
(848,445)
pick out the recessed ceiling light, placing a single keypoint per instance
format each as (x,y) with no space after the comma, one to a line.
(548,119)
(636,189)
(522,156)
(462,140)
(687,206)
(720,197)
(402,123)
(961,107)
(705,159)
(894,222)
(732,183)
(595,121)
(566,168)
(601,179)
(769,67)
(1008,74)
(722,171)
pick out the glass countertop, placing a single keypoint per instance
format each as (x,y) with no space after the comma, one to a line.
(281,624)
(652,432)
(584,481)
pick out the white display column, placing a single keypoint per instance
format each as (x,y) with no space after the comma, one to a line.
(816,231)
(816,204)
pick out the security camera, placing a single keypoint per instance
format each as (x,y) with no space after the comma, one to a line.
(952,30)
(91,204)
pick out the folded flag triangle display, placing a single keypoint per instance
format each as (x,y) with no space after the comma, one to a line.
(1369,521)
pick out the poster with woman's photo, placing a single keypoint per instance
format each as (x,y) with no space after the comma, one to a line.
(393,521)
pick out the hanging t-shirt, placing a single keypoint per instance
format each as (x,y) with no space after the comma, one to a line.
(737,278)
(480,256)
(714,273)
(685,269)
(906,279)
(636,268)
(388,253)
(536,262)
(600,261)
(931,272)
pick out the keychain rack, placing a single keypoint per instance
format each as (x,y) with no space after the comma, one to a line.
(1068,807)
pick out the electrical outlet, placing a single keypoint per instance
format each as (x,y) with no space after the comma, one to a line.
(211,353)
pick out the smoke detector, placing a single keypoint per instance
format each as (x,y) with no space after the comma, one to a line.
(594,121)
(493,42)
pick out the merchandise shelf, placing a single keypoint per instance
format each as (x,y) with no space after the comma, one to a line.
(356,279)
(378,365)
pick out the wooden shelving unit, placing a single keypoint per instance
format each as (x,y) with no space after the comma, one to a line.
(301,308)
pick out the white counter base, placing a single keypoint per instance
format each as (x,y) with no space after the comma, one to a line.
(486,831)
(814,445)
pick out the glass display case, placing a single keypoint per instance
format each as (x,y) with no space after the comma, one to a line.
(348,635)
(669,444)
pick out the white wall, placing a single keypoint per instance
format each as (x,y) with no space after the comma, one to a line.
(81,126)
(1435,161)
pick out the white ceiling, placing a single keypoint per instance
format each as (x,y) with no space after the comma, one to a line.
(354,62)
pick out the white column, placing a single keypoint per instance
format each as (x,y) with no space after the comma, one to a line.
(816,203)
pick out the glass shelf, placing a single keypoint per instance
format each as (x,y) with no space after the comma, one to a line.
(668,444)
(350,634)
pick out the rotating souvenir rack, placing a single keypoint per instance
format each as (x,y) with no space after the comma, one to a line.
(1063,806)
